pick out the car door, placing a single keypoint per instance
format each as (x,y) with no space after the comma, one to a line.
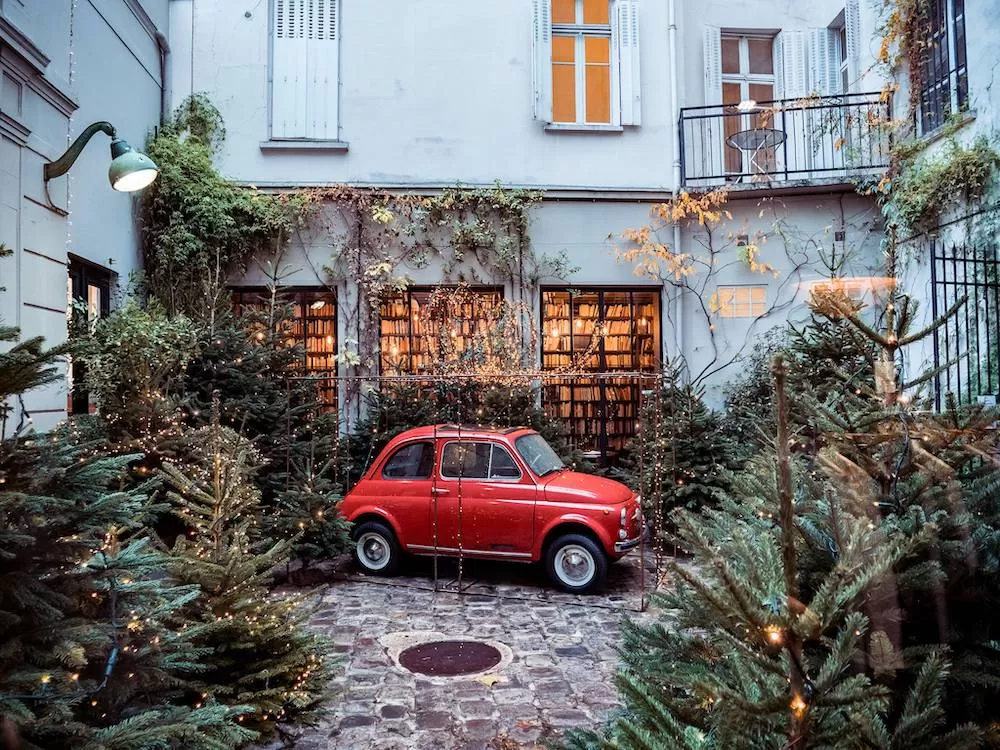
(485,501)
(402,485)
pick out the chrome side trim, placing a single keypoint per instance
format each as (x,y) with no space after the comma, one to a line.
(424,549)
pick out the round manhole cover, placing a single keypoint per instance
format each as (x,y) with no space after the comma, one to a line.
(449,658)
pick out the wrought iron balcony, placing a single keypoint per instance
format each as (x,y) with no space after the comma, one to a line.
(820,139)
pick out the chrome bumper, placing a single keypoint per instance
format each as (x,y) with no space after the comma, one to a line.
(627,544)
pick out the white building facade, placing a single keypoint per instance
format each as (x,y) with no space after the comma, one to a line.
(67,64)
(608,107)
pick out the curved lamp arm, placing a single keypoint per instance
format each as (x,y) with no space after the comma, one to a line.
(61,165)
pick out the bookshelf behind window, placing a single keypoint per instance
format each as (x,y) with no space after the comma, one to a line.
(408,333)
(313,327)
(600,414)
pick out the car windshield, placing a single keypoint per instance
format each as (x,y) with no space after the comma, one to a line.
(538,454)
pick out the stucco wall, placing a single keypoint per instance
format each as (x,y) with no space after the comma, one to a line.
(102,66)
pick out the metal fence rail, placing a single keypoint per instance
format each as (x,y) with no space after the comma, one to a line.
(812,138)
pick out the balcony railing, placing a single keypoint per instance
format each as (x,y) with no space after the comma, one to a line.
(820,138)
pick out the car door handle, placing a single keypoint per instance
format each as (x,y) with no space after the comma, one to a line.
(439,491)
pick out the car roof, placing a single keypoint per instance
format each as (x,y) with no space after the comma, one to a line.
(439,430)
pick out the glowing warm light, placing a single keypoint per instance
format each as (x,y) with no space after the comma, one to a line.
(774,634)
(798,705)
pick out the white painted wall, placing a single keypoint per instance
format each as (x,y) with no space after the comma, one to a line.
(104,65)
(431,92)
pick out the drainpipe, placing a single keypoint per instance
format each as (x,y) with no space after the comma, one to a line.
(164,48)
(675,181)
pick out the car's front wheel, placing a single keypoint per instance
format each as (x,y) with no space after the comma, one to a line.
(375,548)
(575,563)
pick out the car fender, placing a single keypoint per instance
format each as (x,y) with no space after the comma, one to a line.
(375,510)
(580,519)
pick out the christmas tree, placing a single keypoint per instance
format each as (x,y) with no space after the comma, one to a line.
(91,654)
(752,654)
(682,457)
(258,652)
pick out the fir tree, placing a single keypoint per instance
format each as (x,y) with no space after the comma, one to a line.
(259,652)
(747,656)
(90,655)
(681,457)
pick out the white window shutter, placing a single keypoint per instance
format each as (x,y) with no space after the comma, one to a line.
(625,31)
(541,57)
(791,65)
(824,62)
(304,69)
(323,75)
(712,50)
(852,30)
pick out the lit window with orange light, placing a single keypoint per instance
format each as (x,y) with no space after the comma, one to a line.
(741,301)
(581,62)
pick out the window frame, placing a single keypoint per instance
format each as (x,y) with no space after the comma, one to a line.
(420,441)
(744,77)
(406,360)
(732,305)
(580,31)
(493,445)
(279,142)
(954,76)
(304,297)
(81,276)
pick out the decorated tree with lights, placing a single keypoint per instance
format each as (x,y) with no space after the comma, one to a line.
(248,362)
(93,652)
(755,652)
(257,650)
(682,456)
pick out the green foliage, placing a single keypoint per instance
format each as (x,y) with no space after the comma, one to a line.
(257,649)
(197,226)
(930,186)
(681,456)
(135,363)
(714,671)
(92,654)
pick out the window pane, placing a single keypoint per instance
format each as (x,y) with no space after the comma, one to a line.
(563,79)
(757,293)
(598,79)
(598,49)
(93,302)
(761,60)
(731,94)
(502,465)
(465,460)
(564,49)
(563,11)
(730,55)
(595,11)
(762,92)
(412,461)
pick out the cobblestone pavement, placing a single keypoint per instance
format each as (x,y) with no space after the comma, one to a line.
(560,676)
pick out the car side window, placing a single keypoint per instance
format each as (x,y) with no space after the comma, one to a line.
(465,460)
(471,460)
(502,464)
(411,461)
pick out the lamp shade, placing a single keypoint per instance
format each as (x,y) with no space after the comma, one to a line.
(130,169)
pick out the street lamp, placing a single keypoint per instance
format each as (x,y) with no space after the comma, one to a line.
(130,169)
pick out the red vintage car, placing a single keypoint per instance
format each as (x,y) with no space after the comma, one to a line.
(491,494)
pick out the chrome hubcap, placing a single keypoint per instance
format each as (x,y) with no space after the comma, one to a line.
(373,551)
(575,565)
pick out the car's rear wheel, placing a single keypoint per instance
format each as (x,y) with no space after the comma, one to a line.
(375,548)
(575,563)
